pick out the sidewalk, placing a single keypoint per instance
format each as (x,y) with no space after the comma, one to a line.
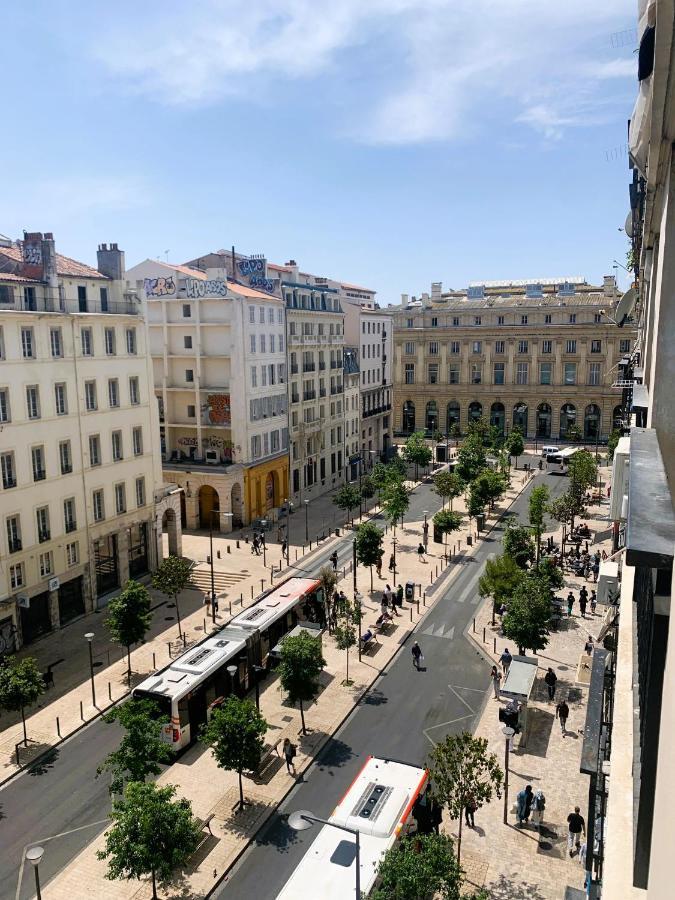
(213,791)
(516,862)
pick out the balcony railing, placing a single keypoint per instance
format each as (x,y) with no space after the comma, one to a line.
(55,305)
(294,370)
(308,367)
(295,398)
(9,482)
(322,366)
(67,468)
(71,526)
(309,395)
(14,545)
(44,534)
(39,474)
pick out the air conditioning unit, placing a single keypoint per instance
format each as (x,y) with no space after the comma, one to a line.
(620,473)
(211,457)
(608,582)
(54,584)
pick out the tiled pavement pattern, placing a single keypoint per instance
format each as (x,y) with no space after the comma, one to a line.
(212,790)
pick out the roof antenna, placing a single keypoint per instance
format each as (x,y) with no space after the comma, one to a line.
(233,256)
(166,254)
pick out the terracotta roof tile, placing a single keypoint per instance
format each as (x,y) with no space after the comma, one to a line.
(12,276)
(185,270)
(64,264)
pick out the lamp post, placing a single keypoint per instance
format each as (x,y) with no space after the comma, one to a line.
(263,525)
(303,819)
(306,521)
(508,733)
(214,512)
(394,545)
(357,602)
(288,532)
(90,637)
(34,857)
(231,671)
(257,670)
(354,563)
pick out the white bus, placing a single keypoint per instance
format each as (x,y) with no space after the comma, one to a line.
(192,685)
(556,463)
(378,805)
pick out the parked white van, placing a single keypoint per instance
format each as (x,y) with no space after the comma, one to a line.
(546,450)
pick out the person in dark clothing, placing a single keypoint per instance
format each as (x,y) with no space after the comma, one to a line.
(576,826)
(334,560)
(570,603)
(550,678)
(524,804)
(470,808)
(416,652)
(420,552)
(391,563)
(399,595)
(562,711)
(582,605)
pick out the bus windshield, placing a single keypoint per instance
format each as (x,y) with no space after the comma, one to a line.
(163,704)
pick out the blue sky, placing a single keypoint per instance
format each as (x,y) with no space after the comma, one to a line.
(389,143)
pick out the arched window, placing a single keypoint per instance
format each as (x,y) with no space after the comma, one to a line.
(592,422)
(475,411)
(431,419)
(568,418)
(408,417)
(544,414)
(498,416)
(452,415)
(520,418)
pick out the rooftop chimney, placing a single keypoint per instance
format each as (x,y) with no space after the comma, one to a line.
(436,291)
(110,261)
(404,300)
(609,284)
(48,250)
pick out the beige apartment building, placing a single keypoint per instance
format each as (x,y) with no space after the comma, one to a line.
(79,454)
(542,356)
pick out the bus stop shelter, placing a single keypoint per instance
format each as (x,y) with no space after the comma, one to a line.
(518,686)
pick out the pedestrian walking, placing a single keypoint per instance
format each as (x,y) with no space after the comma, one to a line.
(334,560)
(435,812)
(417,657)
(470,808)
(215,604)
(420,552)
(496,677)
(570,603)
(290,752)
(399,595)
(378,566)
(524,804)
(392,563)
(588,646)
(562,711)
(551,679)
(594,602)
(254,545)
(582,605)
(505,660)
(576,826)
(595,569)
(384,606)
(284,545)
(538,807)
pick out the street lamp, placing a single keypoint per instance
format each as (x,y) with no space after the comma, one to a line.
(357,602)
(508,733)
(214,512)
(303,819)
(232,671)
(263,525)
(34,857)
(257,670)
(394,545)
(90,637)
(306,521)
(288,531)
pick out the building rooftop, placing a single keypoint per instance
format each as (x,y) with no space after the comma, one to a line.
(12,257)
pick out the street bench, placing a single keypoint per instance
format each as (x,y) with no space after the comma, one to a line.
(369,641)
(204,824)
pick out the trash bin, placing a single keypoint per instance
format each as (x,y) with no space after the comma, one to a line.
(469,541)
(337,532)
(480,521)
(409,590)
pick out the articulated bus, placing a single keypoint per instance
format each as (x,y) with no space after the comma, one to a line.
(378,805)
(556,463)
(197,681)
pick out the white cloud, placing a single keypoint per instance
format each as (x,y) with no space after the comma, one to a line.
(450,63)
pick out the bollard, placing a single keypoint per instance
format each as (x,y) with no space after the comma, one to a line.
(424,599)
(251,594)
(241,599)
(16,748)
(184,641)
(474,626)
(229,549)
(494,645)
(154,661)
(110,692)
(310,545)
(262,585)
(411,613)
(418,605)
(58,727)
(271,574)
(204,622)
(218,553)
(230,607)
(344,572)
(483,634)
(168,644)
(431,578)
(237,544)
(208,560)
(296,554)
(81,711)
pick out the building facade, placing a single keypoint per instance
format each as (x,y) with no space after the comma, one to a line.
(219,355)
(352,385)
(542,356)
(79,454)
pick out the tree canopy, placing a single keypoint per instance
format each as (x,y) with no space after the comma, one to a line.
(489,486)
(21,683)
(448,485)
(518,543)
(461,768)
(171,577)
(582,470)
(420,866)
(501,578)
(368,546)
(347,497)
(515,445)
(416,451)
(301,664)
(612,442)
(471,459)
(349,616)
(236,735)
(447,521)
(395,501)
(151,834)
(141,751)
(537,505)
(527,616)
(129,617)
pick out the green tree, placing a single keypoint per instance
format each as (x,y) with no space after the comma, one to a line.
(347,497)
(461,768)
(420,866)
(562,509)
(141,751)
(471,459)
(549,573)
(367,487)
(475,504)
(490,486)
(448,486)
(455,432)
(515,445)
(573,433)
(479,428)
(612,442)
(301,664)
(527,616)
(395,502)
(129,617)
(446,521)
(500,579)
(236,735)
(368,546)
(171,578)
(416,451)
(582,470)
(397,469)
(345,634)
(328,578)
(518,543)
(151,835)
(21,684)
(537,505)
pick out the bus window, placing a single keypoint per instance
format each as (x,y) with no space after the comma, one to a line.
(183,714)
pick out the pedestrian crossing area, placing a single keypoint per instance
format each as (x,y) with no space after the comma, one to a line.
(440,631)
(469,595)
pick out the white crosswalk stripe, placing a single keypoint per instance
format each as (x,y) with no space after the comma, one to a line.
(439,631)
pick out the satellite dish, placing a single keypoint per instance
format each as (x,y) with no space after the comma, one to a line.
(625,307)
(628,227)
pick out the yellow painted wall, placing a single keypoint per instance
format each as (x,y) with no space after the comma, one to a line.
(255,487)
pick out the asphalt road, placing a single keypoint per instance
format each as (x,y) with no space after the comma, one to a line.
(61,804)
(401,717)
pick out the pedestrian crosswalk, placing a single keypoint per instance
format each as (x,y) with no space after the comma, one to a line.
(439,631)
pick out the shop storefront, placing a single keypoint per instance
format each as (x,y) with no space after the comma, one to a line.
(139,560)
(35,618)
(71,600)
(106,564)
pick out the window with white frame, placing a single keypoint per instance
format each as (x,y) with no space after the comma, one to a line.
(187,311)
(254,372)
(110,341)
(46,564)
(72,553)
(90,396)
(134,391)
(140,491)
(120,498)
(28,343)
(137,439)
(87,340)
(547,346)
(409,348)
(433,373)
(477,346)
(253,343)
(251,315)
(38,463)
(453,373)
(594,373)
(13,524)
(570,373)
(522,346)
(8,469)
(56,342)
(42,522)
(60,399)
(281,343)
(131,341)
(545,373)
(263,344)
(272,343)
(4,405)
(500,346)
(433,348)
(256,445)
(261,315)
(409,373)
(476,373)
(98,505)
(69,517)
(117,454)
(270,315)
(571,347)
(33,401)
(65,457)
(16,576)
(94,450)
(596,346)
(113,392)
(521,373)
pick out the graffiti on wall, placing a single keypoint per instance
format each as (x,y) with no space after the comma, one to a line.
(32,253)
(269,285)
(217,411)
(248,267)
(213,287)
(163,286)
